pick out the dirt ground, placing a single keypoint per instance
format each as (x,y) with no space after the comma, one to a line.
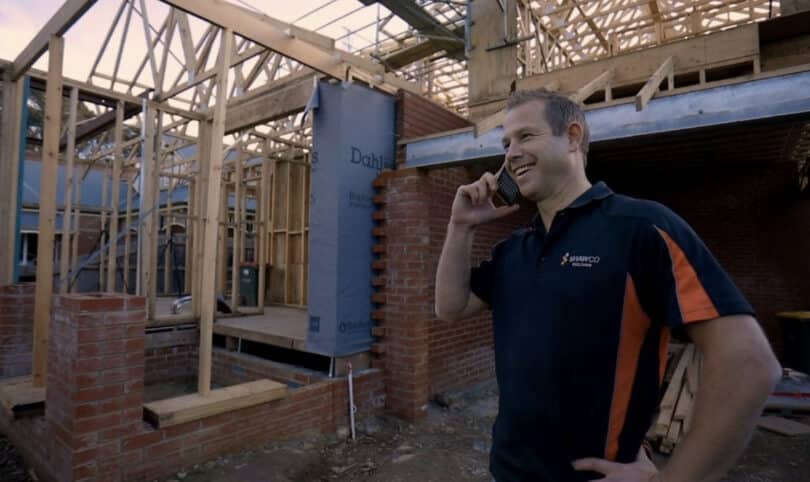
(450,445)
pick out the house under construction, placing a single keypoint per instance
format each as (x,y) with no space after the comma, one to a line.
(258,204)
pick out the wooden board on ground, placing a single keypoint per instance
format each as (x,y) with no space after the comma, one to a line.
(788,404)
(19,395)
(187,408)
(783,426)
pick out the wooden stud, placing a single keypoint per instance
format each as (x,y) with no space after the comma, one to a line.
(222,257)
(127,241)
(77,230)
(287,247)
(238,228)
(304,234)
(208,265)
(202,190)
(191,224)
(168,250)
(47,210)
(147,235)
(9,172)
(102,275)
(262,225)
(112,263)
(67,212)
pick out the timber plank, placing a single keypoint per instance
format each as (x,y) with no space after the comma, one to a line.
(187,408)
(783,426)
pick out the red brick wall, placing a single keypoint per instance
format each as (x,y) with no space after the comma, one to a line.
(95,383)
(417,117)
(321,407)
(751,219)
(171,355)
(16,329)
(92,429)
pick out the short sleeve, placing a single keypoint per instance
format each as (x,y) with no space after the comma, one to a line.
(679,281)
(481,281)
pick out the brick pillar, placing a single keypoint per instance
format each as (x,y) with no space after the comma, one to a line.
(95,384)
(408,293)
(16,329)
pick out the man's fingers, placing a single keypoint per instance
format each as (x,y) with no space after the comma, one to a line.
(596,465)
(483,192)
(491,181)
(506,210)
(502,211)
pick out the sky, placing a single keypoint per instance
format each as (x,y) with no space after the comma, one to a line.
(20,20)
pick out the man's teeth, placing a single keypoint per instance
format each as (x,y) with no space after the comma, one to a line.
(522,170)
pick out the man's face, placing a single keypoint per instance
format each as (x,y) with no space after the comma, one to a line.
(539,161)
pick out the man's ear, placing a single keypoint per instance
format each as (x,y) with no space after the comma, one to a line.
(574,134)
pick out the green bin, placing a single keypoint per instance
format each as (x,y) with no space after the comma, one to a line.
(249,284)
(795,327)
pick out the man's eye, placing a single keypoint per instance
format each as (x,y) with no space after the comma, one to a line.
(525,136)
(506,147)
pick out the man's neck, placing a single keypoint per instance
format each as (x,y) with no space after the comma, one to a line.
(549,207)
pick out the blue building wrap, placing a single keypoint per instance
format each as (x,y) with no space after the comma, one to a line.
(354,140)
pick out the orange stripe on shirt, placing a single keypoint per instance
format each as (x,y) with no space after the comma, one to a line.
(635,325)
(663,350)
(693,301)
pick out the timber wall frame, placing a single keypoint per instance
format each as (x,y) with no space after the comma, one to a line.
(152,137)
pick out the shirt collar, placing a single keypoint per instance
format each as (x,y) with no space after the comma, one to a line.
(596,192)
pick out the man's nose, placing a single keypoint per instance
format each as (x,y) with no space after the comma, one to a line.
(513,153)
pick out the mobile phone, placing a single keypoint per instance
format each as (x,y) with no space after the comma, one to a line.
(508,191)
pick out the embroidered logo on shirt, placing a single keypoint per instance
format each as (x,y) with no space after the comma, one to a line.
(579,261)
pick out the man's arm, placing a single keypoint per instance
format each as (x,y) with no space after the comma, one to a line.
(739,372)
(472,207)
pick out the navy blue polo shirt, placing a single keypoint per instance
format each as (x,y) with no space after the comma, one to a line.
(582,318)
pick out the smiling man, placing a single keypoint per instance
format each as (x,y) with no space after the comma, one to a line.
(584,300)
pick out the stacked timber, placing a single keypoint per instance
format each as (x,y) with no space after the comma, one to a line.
(675,410)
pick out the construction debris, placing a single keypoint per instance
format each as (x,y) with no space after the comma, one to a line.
(675,411)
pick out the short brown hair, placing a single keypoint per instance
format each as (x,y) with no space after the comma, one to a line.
(560,112)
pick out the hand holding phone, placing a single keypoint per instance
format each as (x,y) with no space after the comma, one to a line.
(508,191)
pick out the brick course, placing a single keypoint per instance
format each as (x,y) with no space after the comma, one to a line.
(16,329)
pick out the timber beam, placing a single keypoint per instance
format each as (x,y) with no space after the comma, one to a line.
(59,23)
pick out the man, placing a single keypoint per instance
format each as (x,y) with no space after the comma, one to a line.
(583,303)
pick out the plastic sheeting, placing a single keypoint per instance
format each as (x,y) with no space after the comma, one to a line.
(354,140)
